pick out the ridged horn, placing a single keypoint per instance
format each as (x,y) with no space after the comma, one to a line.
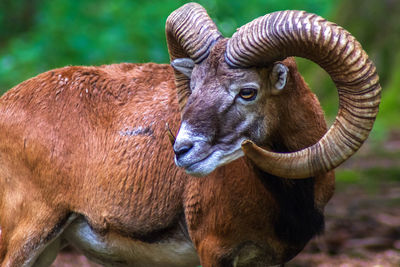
(297,33)
(190,33)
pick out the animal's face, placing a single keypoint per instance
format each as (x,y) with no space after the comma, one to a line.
(225,107)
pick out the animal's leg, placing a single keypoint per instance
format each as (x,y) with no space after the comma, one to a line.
(33,241)
(2,251)
(28,225)
(212,254)
(47,257)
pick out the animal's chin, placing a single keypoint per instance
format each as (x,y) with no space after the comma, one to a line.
(197,171)
(210,163)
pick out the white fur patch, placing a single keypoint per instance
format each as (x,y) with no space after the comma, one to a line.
(202,159)
(216,159)
(186,133)
(123,251)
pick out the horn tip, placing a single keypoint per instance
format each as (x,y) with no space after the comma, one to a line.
(247,145)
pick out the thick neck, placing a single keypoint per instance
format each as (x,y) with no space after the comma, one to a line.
(298,218)
(298,119)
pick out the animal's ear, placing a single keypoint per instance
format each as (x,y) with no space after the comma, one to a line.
(278,78)
(184,66)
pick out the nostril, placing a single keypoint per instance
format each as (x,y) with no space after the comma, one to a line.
(182,149)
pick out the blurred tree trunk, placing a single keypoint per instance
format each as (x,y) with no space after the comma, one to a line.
(376,24)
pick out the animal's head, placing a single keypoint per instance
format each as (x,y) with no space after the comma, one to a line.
(225,86)
(225,107)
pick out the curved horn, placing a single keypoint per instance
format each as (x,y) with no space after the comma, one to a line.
(297,33)
(190,33)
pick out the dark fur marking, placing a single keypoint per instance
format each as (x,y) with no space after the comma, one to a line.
(137,131)
(57,228)
(298,219)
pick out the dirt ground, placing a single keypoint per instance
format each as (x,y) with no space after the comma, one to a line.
(362,219)
(362,229)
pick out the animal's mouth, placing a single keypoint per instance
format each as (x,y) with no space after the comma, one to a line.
(195,167)
(196,170)
(198,154)
(210,162)
(201,167)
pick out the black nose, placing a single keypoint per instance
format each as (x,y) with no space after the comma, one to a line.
(181,149)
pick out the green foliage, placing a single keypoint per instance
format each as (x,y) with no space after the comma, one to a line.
(376,26)
(389,114)
(38,35)
(368,179)
(348,176)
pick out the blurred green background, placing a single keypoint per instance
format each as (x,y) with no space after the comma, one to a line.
(39,35)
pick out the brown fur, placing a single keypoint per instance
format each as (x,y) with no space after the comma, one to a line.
(91,141)
(251,213)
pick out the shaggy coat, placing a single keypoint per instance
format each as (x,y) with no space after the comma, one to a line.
(91,141)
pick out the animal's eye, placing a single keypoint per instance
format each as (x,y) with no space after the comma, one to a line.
(248,94)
